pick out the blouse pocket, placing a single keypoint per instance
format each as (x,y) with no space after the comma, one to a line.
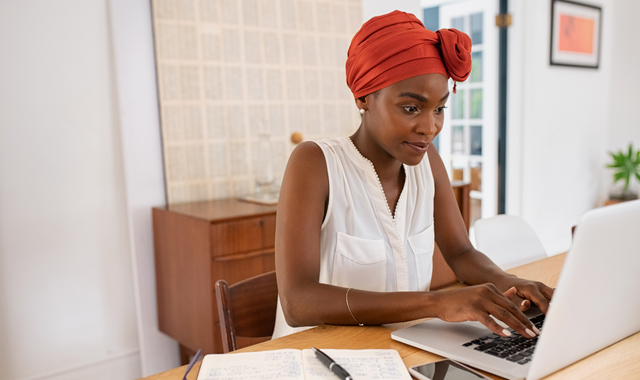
(360,263)
(423,245)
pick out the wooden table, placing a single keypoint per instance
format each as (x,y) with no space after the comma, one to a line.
(618,361)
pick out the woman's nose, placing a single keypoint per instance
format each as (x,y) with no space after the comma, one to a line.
(427,126)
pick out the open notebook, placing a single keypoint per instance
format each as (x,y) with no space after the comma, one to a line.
(291,364)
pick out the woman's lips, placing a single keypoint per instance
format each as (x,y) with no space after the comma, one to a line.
(418,147)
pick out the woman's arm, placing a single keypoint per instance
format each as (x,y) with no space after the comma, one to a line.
(471,266)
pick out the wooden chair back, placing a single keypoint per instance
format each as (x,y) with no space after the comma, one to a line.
(247,310)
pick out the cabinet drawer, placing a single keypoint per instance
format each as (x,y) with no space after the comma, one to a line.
(269,231)
(242,235)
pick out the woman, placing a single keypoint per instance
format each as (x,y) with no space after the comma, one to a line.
(358,215)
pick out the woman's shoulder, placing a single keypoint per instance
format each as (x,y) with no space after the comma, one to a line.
(316,149)
(307,150)
(307,157)
(305,179)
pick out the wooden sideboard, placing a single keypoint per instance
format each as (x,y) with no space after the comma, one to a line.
(197,244)
(462,191)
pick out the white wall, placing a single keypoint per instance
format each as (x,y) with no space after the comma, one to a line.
(624,97)
(144,179)
(67,305)
(560,148)
(560,120)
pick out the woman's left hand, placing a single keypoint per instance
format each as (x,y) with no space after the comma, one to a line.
(523,292)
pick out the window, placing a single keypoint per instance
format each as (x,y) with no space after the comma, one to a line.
(468,141)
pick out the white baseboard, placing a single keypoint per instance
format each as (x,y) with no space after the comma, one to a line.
(125,366)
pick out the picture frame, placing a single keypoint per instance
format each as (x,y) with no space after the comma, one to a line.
(576,30)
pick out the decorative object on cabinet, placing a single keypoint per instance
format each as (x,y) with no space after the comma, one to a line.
(266,190)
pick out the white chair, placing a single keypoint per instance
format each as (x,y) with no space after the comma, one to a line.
(508,240)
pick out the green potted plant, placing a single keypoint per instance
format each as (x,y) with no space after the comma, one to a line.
(626,167)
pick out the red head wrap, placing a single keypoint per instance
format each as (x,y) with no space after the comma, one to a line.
(397,46)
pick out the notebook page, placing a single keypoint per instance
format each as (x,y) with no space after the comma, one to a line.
(361,364)
(263,365)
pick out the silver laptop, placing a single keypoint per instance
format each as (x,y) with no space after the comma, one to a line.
(600,279)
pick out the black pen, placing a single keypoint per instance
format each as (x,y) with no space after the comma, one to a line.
(333,366)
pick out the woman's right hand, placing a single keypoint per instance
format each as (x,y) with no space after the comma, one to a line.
(483,303)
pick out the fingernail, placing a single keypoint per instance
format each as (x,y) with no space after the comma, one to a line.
(531,333)
(536,330)
(506,332)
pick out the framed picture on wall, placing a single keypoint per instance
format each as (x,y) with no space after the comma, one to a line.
(575,34)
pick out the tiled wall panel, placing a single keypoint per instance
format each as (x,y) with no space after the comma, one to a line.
(231,71)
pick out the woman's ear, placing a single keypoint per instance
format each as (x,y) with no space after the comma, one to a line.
(362,102)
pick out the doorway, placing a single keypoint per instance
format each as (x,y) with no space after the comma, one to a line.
(468,144)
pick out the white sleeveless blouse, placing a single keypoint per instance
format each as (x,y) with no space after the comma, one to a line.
(364,246)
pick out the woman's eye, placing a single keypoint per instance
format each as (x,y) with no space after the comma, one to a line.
(410,109)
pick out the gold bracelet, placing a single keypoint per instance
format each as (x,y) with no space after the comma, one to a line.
(349,307)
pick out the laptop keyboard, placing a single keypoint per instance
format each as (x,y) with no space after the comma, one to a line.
(515,348)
